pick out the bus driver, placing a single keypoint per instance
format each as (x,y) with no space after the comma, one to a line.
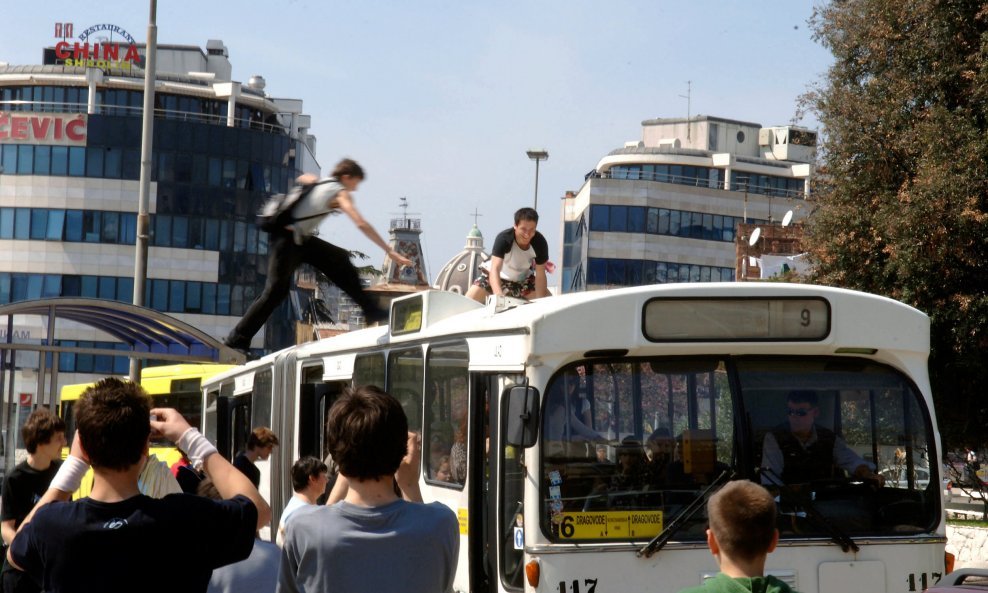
(803,451)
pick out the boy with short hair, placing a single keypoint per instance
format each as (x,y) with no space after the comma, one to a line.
(742,533)
(517,267)
(341,547)
(44,436)
(100,543)
(309,479)
(260,443)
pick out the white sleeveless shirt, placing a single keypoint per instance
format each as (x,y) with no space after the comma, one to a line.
(316,204)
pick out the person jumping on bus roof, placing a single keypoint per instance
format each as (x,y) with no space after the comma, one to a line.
(44,436)
(296,244)
(260,443)
(341,547)
(100,543)
(802,451)
(518,261)
(741,535)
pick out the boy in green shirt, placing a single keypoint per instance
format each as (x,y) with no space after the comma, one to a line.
(742,533)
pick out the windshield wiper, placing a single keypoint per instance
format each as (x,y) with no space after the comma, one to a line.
(836,534)
(687,513)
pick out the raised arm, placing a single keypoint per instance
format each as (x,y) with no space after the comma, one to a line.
(229,481)
(344,202)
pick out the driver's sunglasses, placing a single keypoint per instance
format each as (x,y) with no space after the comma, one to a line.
(799,411)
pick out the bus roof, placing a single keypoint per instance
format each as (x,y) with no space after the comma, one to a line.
(157,380)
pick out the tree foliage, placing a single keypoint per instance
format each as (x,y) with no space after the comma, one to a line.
(902,200)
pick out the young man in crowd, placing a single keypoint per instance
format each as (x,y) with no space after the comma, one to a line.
(742,533)
(309,479)
(260,443)
(100,543)
(518,261)
(44,436)
(339,548)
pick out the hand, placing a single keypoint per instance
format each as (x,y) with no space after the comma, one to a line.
(76,449)
(169,423)
(401,259)
(407,475)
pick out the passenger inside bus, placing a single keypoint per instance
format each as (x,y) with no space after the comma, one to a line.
(563,412)
(802,450)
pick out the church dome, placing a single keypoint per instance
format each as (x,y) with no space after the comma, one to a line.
(459,272)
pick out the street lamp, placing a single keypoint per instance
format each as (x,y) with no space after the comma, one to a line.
(537,154)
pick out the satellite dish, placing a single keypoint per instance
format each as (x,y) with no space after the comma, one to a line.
(787,218)
(754,236)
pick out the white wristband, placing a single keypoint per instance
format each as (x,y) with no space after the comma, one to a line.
(197,447)
(69,475)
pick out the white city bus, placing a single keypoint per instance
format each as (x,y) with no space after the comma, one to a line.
(576,437)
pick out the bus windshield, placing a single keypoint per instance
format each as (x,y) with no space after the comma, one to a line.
(628,444)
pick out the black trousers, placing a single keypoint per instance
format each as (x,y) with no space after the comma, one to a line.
(284,256)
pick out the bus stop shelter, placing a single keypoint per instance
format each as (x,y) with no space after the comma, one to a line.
(35,334)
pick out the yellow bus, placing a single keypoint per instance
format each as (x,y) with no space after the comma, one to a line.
(173,386)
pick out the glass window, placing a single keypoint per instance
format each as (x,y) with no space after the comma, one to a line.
(162,230)
(446,415)
(71,285)
(39,223)
(90,287)
(641,435)
(131,168)
(94,162)
(6,223)
(22,223)
(176,300)
(405,380)
(128,228)
(866,414)
(215,171)
(599,217)
(91,224)
(25,159)
(209,298)
(111,227)
(107,287)
(223,299)
(59,160)
(112,163)
(9,158)
(42,160)
(180,232)
(77,161)
(212,231)
(159,295)
(597,271)
(193,297)
(73,225)
(675,229)
(619,219)
(636,219)
(125,289)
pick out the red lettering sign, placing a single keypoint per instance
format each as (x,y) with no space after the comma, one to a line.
(43,129)
(26,399)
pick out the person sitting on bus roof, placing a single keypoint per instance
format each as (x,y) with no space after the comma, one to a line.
(518,262)
(803,451)
(741,535)
(44,436)
(342,547)
(100,543)
(260,443)
(309,479)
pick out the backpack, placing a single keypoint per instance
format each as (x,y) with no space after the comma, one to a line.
(276,212)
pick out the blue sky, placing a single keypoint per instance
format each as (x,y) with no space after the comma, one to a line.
(440,99)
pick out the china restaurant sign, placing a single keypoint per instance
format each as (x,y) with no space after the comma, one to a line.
(96,48)
(43,128)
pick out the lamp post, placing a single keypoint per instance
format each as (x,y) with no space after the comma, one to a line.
(537,154)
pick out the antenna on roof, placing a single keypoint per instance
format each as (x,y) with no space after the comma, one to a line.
(689,99)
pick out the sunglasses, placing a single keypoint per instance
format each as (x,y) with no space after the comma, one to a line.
(799,411)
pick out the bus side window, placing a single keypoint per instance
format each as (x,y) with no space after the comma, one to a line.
(446,411)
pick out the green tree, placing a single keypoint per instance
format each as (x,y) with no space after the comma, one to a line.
(901,205)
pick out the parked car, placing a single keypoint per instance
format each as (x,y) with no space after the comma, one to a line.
(964,579)
(898,477)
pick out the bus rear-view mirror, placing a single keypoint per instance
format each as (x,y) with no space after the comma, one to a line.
(522,416)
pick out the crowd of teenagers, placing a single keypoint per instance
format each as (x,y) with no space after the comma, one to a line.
(106,542)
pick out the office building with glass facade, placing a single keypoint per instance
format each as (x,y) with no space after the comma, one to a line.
(70,152)
(666,208)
